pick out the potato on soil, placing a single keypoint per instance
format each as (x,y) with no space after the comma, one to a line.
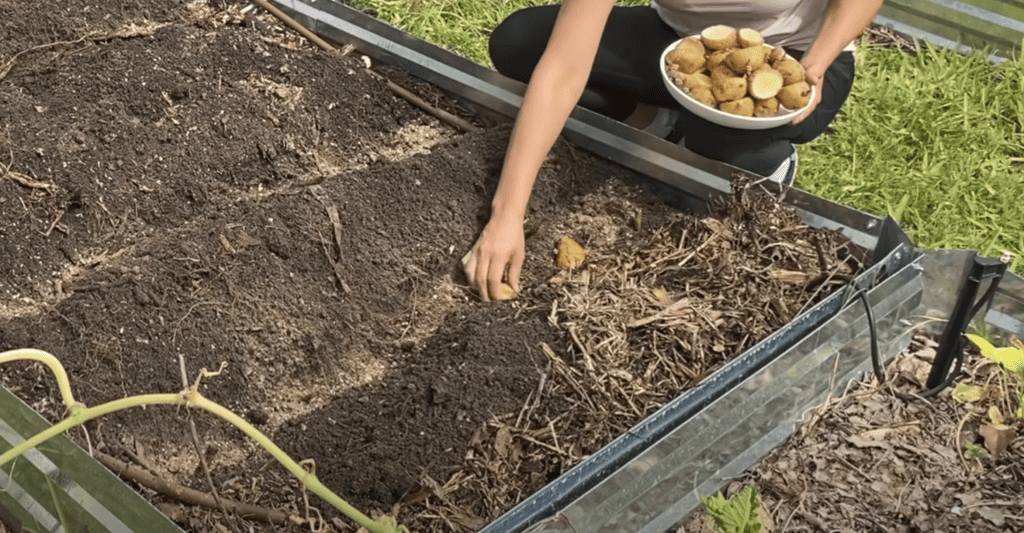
(792,71)
(796,95)
(726,85)
(744,60)
(766,108)
(748,37)
(719,37)
(716,58)
(570,253)
(506,292)
(688,56)
(743,107)
(764,83)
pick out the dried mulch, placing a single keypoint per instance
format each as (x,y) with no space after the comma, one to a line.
(878,458)
(650,313)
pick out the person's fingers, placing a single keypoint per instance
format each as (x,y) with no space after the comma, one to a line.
(514,268)
(481,277)
(494,282)
(802,116)
(818,83)
(469,266)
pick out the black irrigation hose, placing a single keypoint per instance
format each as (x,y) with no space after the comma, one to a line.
(952,375)
(986,299)
(876,360)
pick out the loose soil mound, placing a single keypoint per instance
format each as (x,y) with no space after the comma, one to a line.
(191,186)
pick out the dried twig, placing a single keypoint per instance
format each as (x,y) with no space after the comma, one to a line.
(436,112)
(332,213)
(195,440)
(189,495)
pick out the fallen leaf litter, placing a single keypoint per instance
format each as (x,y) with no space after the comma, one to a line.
(871,461)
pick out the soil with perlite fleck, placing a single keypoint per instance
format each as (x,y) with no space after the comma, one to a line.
(169,169)
(188,185)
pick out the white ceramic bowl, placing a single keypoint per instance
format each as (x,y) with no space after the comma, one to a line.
(721,117)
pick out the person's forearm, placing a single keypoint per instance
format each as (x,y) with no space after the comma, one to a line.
(547,104)
(554,89)
(844,21)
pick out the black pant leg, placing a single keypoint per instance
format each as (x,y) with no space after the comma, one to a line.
(762,151)
(625,70)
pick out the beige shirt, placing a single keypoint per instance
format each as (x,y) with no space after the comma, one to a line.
(790,23)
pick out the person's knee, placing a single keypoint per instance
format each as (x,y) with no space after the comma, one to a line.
(515,45)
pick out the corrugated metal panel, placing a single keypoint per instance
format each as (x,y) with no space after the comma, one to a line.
(993,25)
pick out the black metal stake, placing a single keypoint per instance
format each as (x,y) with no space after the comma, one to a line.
(952,343)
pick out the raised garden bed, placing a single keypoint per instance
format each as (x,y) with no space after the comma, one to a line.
(170,176)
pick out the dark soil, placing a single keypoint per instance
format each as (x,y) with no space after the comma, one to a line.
(162,180)
(169,174)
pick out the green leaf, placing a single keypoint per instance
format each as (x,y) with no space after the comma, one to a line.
(965,393)
(995,416)
(897,212)
(736,515)
(974,451)
(981,343)
(1012,358)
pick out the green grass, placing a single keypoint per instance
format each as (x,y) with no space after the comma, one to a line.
(461,26)
(933,139)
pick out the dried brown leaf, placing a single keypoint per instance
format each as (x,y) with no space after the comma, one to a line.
(502,442)
(997,438)
(997,517)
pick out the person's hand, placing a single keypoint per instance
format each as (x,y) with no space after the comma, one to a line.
(815,78)
(501,244)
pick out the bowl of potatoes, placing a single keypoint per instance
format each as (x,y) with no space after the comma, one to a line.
(731,77)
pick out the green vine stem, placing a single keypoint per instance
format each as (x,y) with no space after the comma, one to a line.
(189,398)
(63,383)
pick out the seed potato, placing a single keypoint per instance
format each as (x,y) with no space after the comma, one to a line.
(791,69)
(726,85)
(716,57)
(764,83)
(697,80)
(744,60)
(735,72)
(748,38)
(719,37)
(766,108)
(796,95)
(688,56)
(704,95)
(743,107)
